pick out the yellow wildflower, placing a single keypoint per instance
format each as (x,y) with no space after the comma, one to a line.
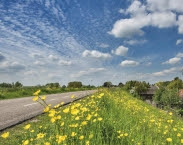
(66,110)
(52,120)
(62,124)
(72,97)
(100,119)
(32,131)
(59,117)
(87,142)
(81,137)
(27,126)
(170,113)
(26,142)
(126,134)
(40,135)
(77,118)
(181,141)
(74,111)
(5,135)
(35,98)
(178,134)
(73,134)
(47,143)
(84,123)
(37,93)
(43,97)
(90,136)
(61,138)
(46,109)
(169,140)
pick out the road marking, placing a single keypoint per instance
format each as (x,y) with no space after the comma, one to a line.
(52,99)
(29,104)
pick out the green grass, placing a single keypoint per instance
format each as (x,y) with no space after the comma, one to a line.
(9,93)
(113,118)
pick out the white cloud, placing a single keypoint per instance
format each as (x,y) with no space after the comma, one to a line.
(121,50)
(134,42)
(41,63)
(180,24)
(166,71)
(172,61)
(126,28)
(8,66)
(129,63)
(163,19)
(53,58)
(122,11)
(136,8)
(179,55)
(179,41)
(103,45)
(164,5)
(87,72)
(64,62)
(95,54)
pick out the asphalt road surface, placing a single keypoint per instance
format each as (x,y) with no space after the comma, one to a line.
(15,111)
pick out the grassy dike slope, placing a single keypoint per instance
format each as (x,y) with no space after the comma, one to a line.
(111,117)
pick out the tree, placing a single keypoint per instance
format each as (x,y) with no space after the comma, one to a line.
(74,84)
(107,84)
(53,85)
(175,84)
(120,85)
(18,85)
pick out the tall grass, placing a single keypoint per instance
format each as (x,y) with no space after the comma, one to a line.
(112,117)
(9,93)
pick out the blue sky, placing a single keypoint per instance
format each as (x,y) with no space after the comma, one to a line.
(91,41)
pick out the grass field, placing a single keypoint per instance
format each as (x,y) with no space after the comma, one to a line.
(9,93)
(111,117)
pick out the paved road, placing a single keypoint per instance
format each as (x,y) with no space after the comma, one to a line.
(14,111)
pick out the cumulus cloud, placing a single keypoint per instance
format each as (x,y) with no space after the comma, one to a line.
(136,8)
(134,42)
(164,5)
(166,71)
(179,55)
(40,63)
(87,72)
(179,41)
(122,11)
(172,61)
(64,62)
(121,50)
(2,57)
(8,66)
(163,19)
(140,17)
(95,54)
(129,63)
(53,58)
(180,24)
(103,45)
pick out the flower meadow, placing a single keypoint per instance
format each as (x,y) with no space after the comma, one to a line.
(109,117)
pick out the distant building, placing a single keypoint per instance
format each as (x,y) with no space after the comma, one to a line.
(181,93)
(148,95)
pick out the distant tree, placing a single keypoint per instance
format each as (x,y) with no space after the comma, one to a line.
(64,86)
(120,85)
(175,84)
(107,84)
(6,85)
(18,85)
(53,85)
(74,84)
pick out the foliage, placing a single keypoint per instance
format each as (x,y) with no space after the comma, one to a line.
(120,85)
(107,84)
(53,85)
(74,84)
(110,117)
(136,87)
